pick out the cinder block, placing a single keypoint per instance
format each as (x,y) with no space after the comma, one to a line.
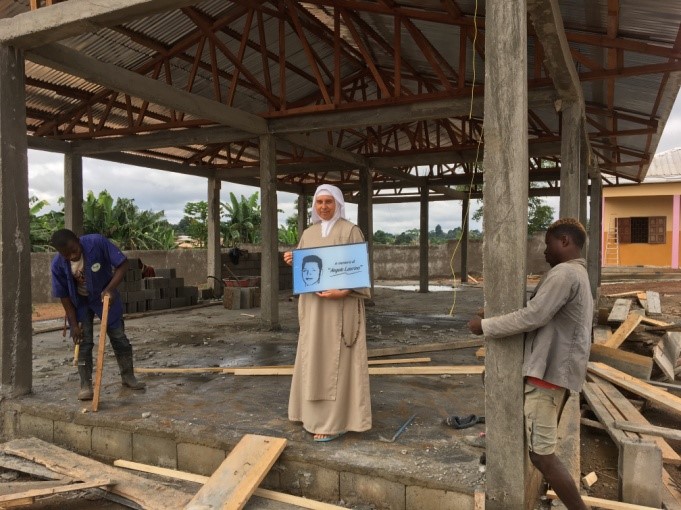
(423,498)
(176,282)
(72,435)
(36,426)
(178,302)
(309,480)
(363,489)
(640,471)
(156,282)
(159,451)
(124,296)
(187,292)
(246,298)
(158,304)
(166,272)
(199,459)
(141,306)
(193,300)
(206,294)
(133,263)
(138,295)
(256,297)
(112,443)
(231,299)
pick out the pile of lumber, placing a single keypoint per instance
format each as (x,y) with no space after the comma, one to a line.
(230,487)
(613,374)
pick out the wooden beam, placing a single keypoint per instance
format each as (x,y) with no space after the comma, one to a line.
(157,164)
(606,504)
(649,430)
(395,114)
(628,362)
(76,17)
(117,78)
(237,478)
(169,138)
(48,144)
(7,499)
(412,349)
(625,329)
(434,370)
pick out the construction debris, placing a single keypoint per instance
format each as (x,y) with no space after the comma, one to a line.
(589,480)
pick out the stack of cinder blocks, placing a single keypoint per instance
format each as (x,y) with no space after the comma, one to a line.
(241,298)
(163,291)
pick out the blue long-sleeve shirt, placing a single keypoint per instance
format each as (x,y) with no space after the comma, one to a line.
(100,257)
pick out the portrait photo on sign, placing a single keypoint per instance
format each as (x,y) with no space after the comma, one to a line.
(344,266)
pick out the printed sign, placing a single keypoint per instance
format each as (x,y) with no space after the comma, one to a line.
(345,266)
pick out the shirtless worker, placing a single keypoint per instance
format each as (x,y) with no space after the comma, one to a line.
(557,324)
(86,269)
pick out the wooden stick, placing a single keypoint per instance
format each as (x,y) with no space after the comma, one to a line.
(632,293)
(651,430)
(191,477)
(605,503)
(625,329)
(100,353)
(412,349)
(34,493)
(76,352)
(435,370)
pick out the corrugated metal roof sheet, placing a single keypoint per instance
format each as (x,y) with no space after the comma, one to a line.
(665,167)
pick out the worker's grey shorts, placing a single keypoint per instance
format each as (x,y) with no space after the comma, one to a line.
(542,407)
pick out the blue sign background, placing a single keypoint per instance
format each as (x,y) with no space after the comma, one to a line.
(344,266)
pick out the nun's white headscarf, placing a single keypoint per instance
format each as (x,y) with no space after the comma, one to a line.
(328,189)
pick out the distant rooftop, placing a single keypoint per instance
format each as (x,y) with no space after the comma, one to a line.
(665,167)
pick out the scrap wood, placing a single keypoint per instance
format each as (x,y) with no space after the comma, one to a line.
(601,334)
(627,412)
(592,423)
(31,468)
(676,326)
(239,475)
(625,329)
(146,493)
(413,349)
(620,310)
(605,411)
(481,352)
(665,364)
(649,430)
(473,279)
(262,493)
(608,504)
(671,496)
(230,370)
(658,396)
(643,300)
(434,370)
(589,480)
(654,322)
(632,293)
(478,500)
(17,486)
(30,495)
(628,362)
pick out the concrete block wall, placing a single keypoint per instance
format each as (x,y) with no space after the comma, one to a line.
(105,441)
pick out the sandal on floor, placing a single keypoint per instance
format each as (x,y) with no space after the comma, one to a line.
(463,422)
(328,438)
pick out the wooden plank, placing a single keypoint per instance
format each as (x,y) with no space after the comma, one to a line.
(146,493)
(642,299)
(479,501)
(632,293)
(31,468)
(100,353)
(601,334)
(654,307)
(434,370)
(48,491)
(592,423)
(262,493)
(413,349)
(605,411)
(605,503)
(230,370)
(237,478)
(663,362)
(481,353)
(14,487)
(660,397)
(625,329)
(628,362)
(650,430)
(620,310)
(655,322)
(671,496)
(671,343)
(632,415)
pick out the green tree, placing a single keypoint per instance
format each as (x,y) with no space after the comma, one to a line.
(381,237)
(243,220)
(288,234)
(539,215)
(41,226)
(410,236)
(196,216)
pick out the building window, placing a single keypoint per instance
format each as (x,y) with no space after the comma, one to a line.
(649,230)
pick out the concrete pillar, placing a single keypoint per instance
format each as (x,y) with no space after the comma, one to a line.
(570,160)
(583,183)
(214,254)
(73,193)
(423,242)
(595,246)
(302,214)
(365,216)
(15,255)
(676,223)
(269,304)
(505,246)
(465,205)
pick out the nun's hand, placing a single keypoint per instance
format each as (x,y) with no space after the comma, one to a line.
(333,294)
(288,257)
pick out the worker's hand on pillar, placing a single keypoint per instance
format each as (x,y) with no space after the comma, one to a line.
(288,257)
(475,325)
(76,334)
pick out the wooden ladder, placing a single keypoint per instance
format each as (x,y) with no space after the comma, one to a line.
(612,246)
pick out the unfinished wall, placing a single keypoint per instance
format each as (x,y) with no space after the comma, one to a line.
(390,263)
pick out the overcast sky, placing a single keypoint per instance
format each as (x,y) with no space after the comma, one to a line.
(158,190)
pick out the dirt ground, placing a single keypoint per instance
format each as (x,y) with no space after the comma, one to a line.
(213,336)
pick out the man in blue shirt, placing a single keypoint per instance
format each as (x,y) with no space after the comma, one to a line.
(86,269)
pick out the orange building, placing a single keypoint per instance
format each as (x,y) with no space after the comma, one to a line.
(641,221)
